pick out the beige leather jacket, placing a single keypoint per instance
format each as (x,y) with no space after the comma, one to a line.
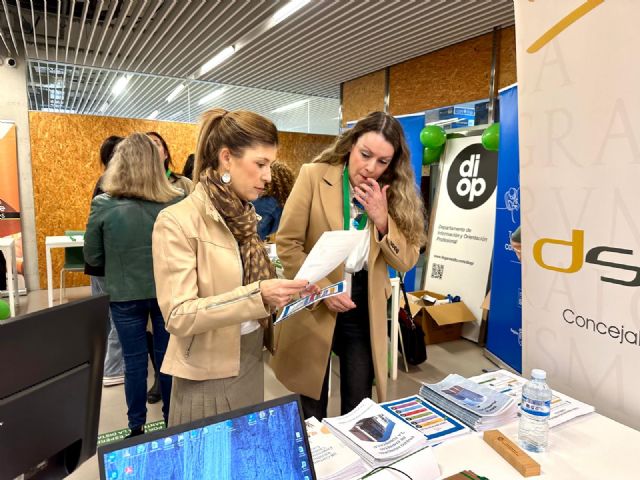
(198,274)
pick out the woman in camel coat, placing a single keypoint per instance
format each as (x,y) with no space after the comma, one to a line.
(364,181)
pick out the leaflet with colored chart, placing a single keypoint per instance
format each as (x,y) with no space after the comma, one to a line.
(563,407)
(376,435)
(297,305)
(434,424)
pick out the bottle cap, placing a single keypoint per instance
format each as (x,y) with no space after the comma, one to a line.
(538,374)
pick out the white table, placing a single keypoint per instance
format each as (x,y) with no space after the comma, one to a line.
(8,248)
(588,447)
(63,241)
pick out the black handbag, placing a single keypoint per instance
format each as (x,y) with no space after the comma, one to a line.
(415,349)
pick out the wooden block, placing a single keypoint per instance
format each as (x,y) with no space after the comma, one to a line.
(512,453)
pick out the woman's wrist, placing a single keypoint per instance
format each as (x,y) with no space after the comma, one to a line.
(382,226)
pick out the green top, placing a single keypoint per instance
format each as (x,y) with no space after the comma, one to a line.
(118,237)
(346,205)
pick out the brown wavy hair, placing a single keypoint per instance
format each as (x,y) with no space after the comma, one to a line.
(403,198)
(235,130)
(282,180)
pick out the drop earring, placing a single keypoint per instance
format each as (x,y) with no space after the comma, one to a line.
(226,178)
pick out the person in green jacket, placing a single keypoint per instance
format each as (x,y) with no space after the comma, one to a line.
(118,237)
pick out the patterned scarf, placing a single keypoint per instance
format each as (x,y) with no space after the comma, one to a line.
(241,219)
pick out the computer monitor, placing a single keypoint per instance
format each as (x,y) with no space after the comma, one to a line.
(265,441)
(51,365)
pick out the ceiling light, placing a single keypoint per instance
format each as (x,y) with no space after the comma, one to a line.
(217,60)
(289,9)
(154,114)
(176,91)
(119,86)
(290,106)
(104,107)
(213,95)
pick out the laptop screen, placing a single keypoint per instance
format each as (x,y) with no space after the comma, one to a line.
(264,441)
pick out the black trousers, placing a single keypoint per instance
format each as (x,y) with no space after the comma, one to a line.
(352,343)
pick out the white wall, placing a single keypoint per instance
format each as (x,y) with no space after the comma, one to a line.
(14,107)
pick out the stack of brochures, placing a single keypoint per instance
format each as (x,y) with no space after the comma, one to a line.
(374,434)
(434,424)
(563,407)
(332,459)
(477,406)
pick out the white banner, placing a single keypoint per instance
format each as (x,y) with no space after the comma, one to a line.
(579,107)
(461,240)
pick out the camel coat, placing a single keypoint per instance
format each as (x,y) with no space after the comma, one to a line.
(303,342)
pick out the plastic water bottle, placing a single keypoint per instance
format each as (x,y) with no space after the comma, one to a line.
(533,432)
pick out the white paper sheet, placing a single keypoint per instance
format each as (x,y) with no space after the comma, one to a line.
(331,249)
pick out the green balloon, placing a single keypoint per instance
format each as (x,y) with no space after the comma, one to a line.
(431,155)
(491,137)
(433,136)
(5,312)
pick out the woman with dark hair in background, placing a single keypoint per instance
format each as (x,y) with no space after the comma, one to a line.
(113,361)
(176,180)
(118,237)
(363,182)
(187,171)
(269,205)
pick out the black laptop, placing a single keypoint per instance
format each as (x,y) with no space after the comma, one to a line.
(268,441)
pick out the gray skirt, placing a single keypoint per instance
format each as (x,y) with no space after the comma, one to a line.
(195,399)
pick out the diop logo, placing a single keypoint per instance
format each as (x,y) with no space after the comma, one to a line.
(472,176)
(578,258)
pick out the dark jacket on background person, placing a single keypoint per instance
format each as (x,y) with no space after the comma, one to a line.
(97,271)
(118,237)
(270,212)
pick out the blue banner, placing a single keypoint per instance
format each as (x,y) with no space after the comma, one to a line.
(504,333)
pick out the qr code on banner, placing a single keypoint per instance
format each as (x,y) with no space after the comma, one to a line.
(437,271)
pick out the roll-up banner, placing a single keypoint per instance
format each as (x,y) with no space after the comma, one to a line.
(461,238)
(579,112)
(504,329)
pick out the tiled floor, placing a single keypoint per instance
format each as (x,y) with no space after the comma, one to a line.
(461,356)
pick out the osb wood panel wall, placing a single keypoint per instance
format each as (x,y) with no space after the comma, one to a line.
(298,148)
(455,74)
(362,96)
(507,59)
(66,165)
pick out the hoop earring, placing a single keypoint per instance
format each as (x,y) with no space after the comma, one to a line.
(226,178)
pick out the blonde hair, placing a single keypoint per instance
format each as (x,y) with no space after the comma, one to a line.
(405,204)
(235,130)
(136,171)
(282,180)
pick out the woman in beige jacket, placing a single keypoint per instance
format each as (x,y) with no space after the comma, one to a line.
(213,276)
(364,181)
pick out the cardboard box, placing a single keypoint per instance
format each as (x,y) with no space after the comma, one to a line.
(441,323)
